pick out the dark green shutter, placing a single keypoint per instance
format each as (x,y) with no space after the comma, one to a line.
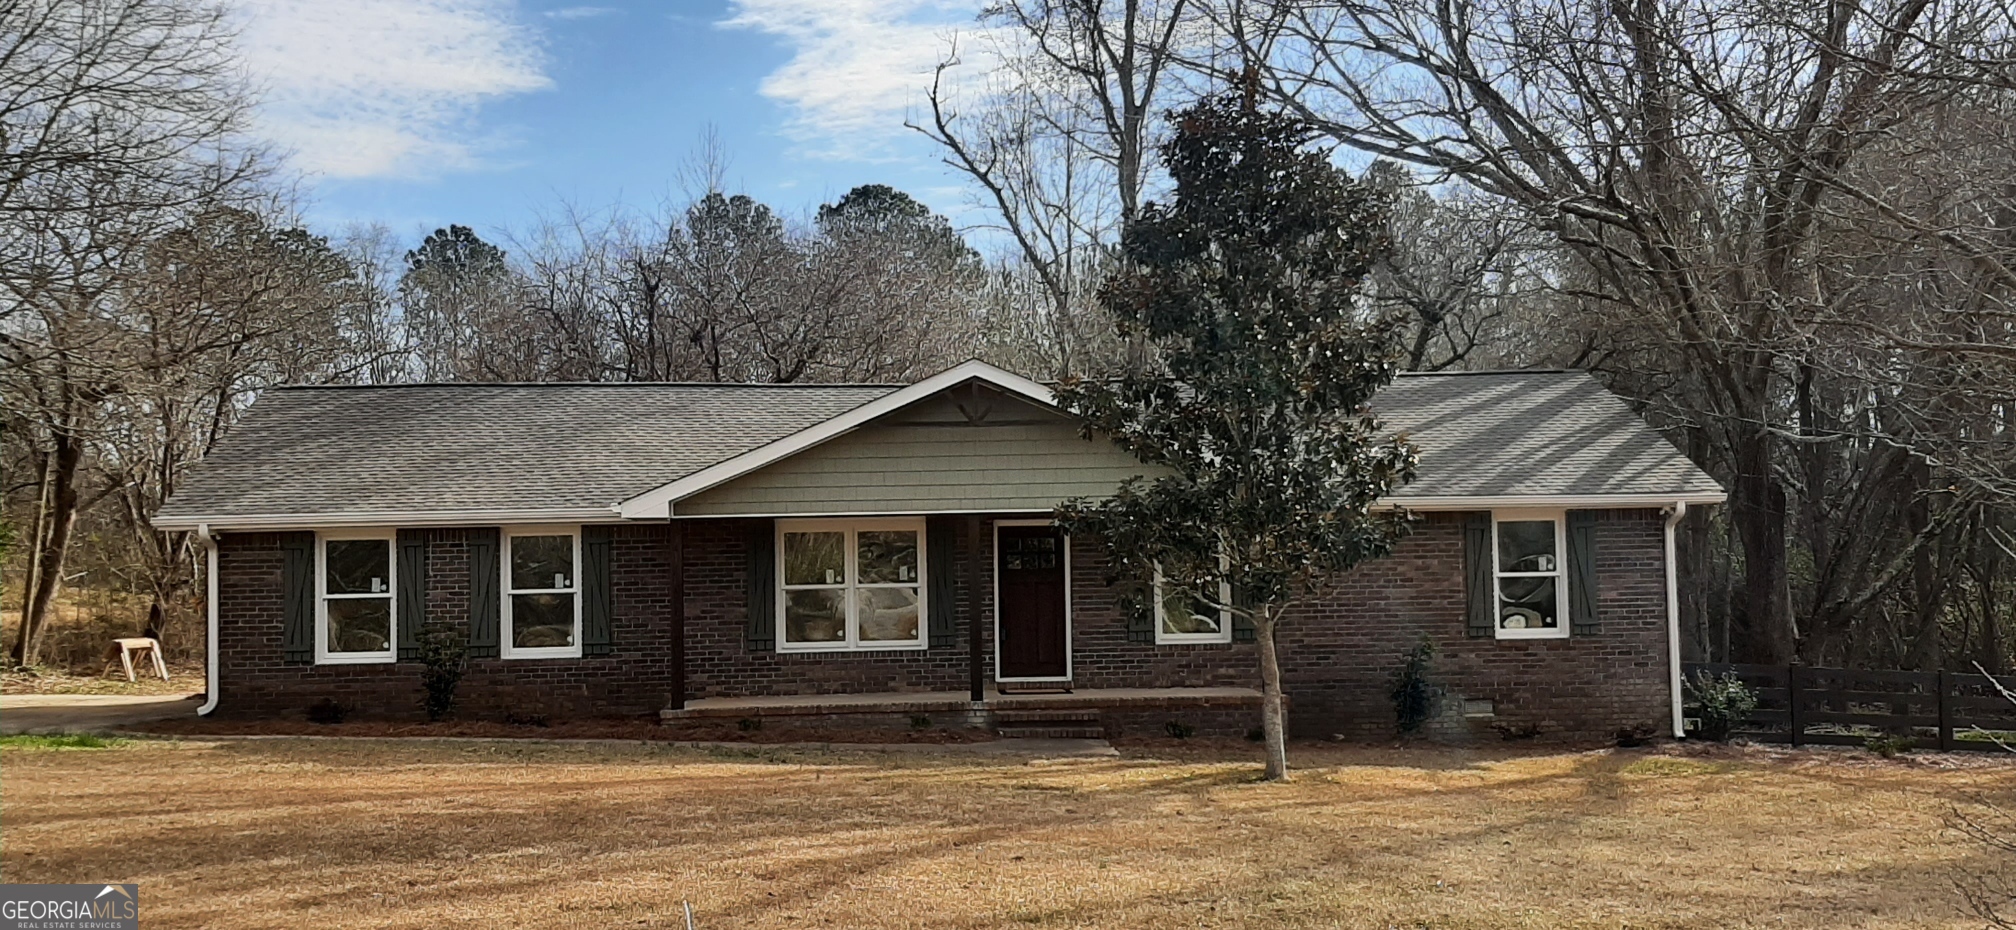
(297,584)
(598,602)
(1137,599)
(483,604)
(1582,572)
(940,543)
(1480,610)
(1141,617)
(760,630)
(412,591)
(1243,629)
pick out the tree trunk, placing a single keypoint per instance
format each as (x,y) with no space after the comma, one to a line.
(53,525)
(1928,582)
(37,532)
(1758,511)
(1694,543)
(1273,714)
(1991,639)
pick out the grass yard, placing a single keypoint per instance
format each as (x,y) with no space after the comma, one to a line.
(387,834)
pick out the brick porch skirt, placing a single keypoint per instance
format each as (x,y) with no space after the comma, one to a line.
(1114,711)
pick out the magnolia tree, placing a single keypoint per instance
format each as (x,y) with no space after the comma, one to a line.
(1266,466)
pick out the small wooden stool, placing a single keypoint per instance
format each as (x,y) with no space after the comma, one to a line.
(127,646)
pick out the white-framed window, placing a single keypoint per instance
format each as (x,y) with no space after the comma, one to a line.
(1180,618)
(541,614)
(850,585)
(1527,554)
(354,593)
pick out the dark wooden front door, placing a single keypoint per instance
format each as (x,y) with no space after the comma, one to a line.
(1030,567)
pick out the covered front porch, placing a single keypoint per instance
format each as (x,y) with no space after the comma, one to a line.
(1092,712)
(902,563)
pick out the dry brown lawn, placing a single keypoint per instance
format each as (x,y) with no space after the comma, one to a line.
(389,834)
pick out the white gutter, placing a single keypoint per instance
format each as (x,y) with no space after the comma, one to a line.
(1674,515)
(210,600)
(1563,501)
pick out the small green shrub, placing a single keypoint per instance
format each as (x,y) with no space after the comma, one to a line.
(1179,729)
(1413,694)
(920,722)
(1256,735)
(444,655)
(1725,703)
(749,724)
(1889,745)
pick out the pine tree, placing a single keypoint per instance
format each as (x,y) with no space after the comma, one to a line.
(1251,403)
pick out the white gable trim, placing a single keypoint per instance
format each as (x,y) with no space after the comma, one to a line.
(657,503)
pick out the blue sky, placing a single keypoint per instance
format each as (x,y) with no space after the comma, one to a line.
(421,113)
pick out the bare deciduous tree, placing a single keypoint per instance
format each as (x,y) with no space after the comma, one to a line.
(1467,272)
(1054,142)
(119,119)
(1714,165)
(216,311)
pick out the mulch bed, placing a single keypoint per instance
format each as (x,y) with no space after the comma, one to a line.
(644,729)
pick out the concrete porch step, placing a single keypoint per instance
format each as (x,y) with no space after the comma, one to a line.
(1039,731)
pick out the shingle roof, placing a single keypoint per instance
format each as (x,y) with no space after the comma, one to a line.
(1531,434)
(325,453)
(329,451)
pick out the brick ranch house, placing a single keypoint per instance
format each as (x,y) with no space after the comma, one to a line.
(876,553)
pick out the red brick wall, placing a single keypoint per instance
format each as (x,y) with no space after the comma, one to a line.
(255,682)
(1338,657)
(719,664)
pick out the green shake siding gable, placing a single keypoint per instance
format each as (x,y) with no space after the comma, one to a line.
(1017,457)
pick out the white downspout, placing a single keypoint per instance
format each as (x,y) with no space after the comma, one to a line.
(1674,515)
(210,601)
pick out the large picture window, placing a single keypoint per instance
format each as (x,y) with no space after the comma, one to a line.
(850,585)
(541,618)
(1531,580)
(354,591)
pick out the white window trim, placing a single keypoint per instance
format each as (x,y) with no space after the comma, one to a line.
(1165,638)
(322,598)
(852,528)
(505,591)
(1560,574)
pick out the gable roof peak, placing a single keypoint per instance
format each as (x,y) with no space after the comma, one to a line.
(657,501)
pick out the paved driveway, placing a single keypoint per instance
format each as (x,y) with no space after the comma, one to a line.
(66,713)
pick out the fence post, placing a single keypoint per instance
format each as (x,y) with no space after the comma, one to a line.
(1792,704)
(1945,713)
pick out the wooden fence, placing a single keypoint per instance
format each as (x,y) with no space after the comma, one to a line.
(1800,705)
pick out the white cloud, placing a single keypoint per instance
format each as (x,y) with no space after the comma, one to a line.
(580,12)
(373,88)
(857,66)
